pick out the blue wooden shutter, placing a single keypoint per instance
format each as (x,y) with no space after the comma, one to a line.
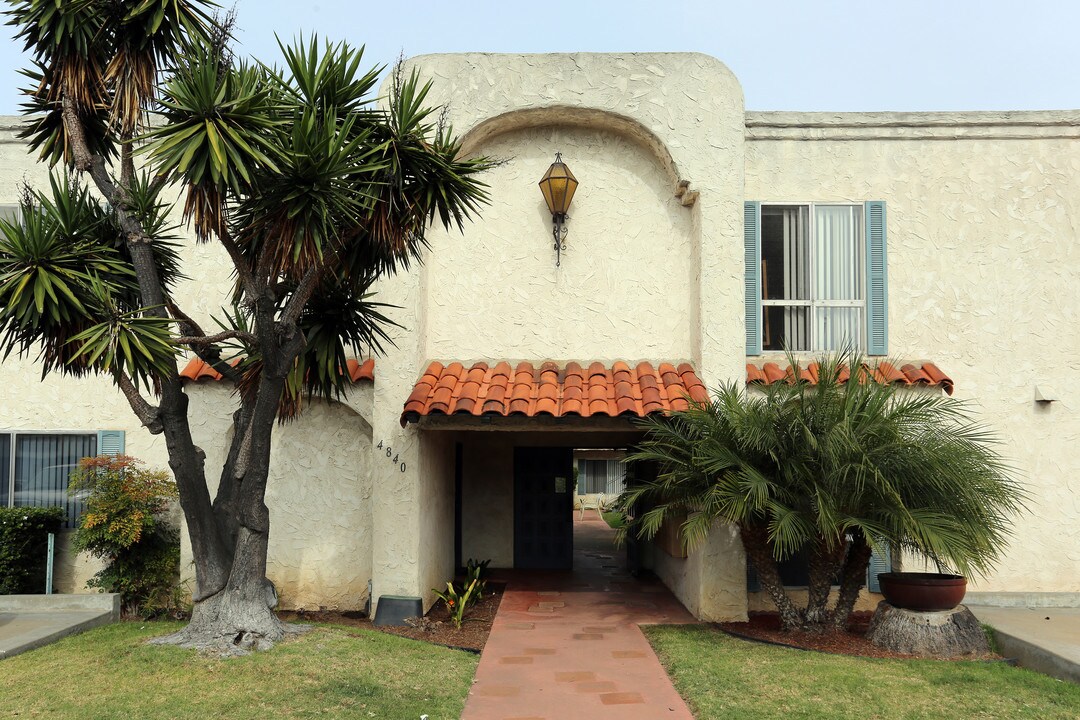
(110,442)
(753,583)
(877,281)
(752,275)
(879,563)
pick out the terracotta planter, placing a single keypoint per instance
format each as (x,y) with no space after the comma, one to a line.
(923,592)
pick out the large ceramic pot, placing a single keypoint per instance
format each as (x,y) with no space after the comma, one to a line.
(923,592)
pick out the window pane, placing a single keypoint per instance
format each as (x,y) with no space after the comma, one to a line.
(784,263)
(43,464)
(837,328)
(5,468)
(837,266)
(785,328)
(601,476)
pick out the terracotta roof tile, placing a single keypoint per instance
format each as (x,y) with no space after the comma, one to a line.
(196,370)
(553,390)
(925,373)
(937,377)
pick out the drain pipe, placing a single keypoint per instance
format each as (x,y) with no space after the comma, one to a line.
(49,564)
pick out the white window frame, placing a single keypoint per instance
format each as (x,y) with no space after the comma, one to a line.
(814,305)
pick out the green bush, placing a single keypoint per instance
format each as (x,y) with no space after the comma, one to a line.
(24,533)
(123,526)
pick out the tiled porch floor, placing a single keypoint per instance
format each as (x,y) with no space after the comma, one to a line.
(566,645)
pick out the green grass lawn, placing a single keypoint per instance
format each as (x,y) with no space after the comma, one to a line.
(724,677)
(614,519)
(330,672)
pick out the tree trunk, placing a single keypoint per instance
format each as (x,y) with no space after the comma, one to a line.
(758,550)
(852,578)
(233,599)
(241,617)
(947,633)
(824,562)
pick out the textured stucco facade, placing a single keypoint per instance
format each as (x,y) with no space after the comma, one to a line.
(982,212)
(983,274)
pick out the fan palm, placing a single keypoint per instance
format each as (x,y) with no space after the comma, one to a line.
(830,467)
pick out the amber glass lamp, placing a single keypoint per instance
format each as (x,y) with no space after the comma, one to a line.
(558,186)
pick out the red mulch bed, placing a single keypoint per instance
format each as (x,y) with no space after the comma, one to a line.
(765,627)
(436,626)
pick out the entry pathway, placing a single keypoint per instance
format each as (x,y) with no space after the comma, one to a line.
(567,645)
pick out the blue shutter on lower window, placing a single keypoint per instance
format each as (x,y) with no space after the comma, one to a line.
(879,563)
(110,442)
(877,280)
(752,275)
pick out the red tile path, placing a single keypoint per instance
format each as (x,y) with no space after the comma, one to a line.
(567,645)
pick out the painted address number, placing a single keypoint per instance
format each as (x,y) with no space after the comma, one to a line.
(390,453)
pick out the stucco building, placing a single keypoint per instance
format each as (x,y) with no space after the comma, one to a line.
(702,237)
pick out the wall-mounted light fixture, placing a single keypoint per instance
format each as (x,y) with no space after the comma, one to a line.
(558,186)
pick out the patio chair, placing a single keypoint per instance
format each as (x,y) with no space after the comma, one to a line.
(592,502)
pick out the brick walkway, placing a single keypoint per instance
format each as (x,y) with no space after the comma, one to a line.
(567,645)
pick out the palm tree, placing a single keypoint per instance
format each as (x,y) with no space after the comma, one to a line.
(313,191)
(832,467)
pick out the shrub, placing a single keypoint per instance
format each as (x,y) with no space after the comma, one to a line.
(458,600)
(831,469)
(123,526)
(24,542)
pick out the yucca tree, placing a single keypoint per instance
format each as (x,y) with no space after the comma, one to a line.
(832,469)
(314,192)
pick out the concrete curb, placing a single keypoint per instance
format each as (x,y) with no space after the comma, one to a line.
(1033,657)
(89,623)
(35,620)
(101,602)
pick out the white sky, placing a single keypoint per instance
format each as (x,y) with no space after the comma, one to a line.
(820,55)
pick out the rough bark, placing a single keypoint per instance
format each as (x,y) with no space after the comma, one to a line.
(852,578)
(233,623)
(756,543)
(948,633)
(823,562)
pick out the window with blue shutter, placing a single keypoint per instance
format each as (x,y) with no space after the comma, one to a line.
(35,467)
(815,277)
(752,275)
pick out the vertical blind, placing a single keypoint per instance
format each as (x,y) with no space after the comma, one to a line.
(601,476)
(5,469)
(42,466)
(811,277)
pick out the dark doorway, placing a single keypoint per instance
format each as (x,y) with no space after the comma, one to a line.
(543,508)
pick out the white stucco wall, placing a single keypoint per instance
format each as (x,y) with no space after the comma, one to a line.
(983,265)
(628,125)
(625,285)
(318,493)
(487,508)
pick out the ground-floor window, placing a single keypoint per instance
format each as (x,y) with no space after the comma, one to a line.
(35,468)
(600,471)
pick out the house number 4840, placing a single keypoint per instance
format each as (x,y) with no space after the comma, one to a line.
(390,454)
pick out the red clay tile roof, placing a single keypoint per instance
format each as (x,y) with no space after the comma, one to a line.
(926,374)
(196,369)
(552,390)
